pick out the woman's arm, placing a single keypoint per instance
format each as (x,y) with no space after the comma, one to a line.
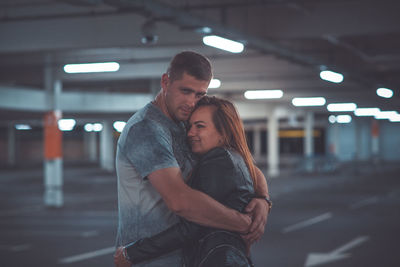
(166,241)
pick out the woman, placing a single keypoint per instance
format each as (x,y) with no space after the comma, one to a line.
(226,172)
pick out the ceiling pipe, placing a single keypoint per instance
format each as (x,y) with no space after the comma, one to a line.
(180,17)
(188,20)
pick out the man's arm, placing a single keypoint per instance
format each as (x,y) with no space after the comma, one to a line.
(194,205)
(258,209)
(262,187)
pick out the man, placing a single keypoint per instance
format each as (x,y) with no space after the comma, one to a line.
(153,161)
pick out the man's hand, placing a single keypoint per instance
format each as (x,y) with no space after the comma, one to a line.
(119,258)
(258,210)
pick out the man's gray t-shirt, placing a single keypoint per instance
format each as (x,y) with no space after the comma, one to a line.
(150,141)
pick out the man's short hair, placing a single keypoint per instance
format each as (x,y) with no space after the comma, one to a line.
(192,63)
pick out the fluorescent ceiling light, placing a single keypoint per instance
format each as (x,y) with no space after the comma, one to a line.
(395,118)
(93,127)
(332,118)
(97,127)
(204,30)
(119,125)
(341,107)
(88,127)
(308,101)
(384,92)
(366,111)
(223,43)
(91,67)
(66,124)
(343,119)
(214,83)
(263,94)
(386,115)
(23,127)
(331,76)
(339,119)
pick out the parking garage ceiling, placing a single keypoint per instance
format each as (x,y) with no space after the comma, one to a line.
(286,44)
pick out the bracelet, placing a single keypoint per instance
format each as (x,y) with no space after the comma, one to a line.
(269,202)
(125,254)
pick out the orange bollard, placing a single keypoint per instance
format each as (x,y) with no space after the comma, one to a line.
(52,136)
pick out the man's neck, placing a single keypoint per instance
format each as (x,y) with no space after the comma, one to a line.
(159,101)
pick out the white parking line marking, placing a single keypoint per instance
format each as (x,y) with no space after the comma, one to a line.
(364,202)
(394,194)
(87,255)
(22,211)
(308,222)
(90,233)
(316,259)
(19,248)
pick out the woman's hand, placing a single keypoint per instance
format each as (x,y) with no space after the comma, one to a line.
(119,258)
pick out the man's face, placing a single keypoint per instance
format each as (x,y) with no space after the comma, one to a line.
(182,95)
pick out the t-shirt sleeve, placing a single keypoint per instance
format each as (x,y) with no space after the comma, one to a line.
(148,146)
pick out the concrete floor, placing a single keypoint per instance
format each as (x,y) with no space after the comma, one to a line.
(342,219)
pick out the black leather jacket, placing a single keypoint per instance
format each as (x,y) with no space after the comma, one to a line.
(223,175)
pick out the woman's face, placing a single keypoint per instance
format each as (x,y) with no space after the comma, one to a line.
(203,136)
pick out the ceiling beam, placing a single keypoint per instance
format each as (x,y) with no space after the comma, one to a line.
(28,99)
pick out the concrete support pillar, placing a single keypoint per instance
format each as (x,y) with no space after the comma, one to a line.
(53,181)
(309,141)
(11,143)
(53,161)
(273,145)
(333,139)
(357,133)
(90,143)
(107,147)
(257,143)
(375,140)
(363,139)
(155,86)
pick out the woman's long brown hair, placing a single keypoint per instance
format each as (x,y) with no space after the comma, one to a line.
(228,123)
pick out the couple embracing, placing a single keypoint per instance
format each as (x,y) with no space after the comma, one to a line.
(189,193)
